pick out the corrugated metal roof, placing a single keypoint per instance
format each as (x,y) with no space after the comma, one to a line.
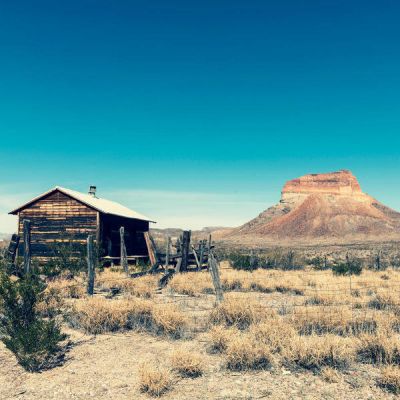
(102,205)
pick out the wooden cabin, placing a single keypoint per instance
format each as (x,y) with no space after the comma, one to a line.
(62,215)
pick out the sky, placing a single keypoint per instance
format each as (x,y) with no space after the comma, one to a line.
(196,112)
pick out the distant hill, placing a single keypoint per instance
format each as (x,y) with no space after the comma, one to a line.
(321,206)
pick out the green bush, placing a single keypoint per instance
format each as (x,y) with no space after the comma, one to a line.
(349,267)
(33,339)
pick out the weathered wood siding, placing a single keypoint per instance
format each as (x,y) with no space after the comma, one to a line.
(57,218)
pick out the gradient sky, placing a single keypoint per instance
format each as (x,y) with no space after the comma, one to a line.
(196,112)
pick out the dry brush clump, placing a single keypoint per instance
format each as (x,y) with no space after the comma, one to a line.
(191,284)
(273,332)
(244,352)
(380,348)
(316,352)
(68,288)
(154,379)
(169,320)
(187,363)
(144,286)
(237,312)
(219,337)
(330,375)
(98,315)
(390,379)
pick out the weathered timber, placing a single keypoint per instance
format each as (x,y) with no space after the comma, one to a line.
(150,249)
(12,248)
(185,250)
(201,253)
(91,265)
(167,251)
(209,250)
(27,246)
(196,257)
(214,271)
(124,256)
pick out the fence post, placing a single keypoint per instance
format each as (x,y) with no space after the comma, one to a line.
(27,246)
(90,262)
(185,250)
(214,270)
(167,250)
(124,256)
(209,251)
(12,248)
(201,254)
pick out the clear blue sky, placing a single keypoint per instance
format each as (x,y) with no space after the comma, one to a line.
(197,112)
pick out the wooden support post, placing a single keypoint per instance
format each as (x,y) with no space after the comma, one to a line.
(185,250)
(196,258)
(12,248)
(201,255)
(167,250)
(214,270)
(27,246)
(209,250)
(91,263)
(124,256)
(150,249)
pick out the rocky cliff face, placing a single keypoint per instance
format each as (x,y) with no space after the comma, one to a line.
(323,206)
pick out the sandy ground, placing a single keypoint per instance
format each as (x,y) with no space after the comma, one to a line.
(106,366)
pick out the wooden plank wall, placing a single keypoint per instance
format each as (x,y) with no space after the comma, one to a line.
(57,218)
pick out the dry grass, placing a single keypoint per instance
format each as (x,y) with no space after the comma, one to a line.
(98,315)
(315,352)
(187,363)
(236,312)
(219,337)
(144,286)
(274,332)
(382,348)
(244,352)
(390,379)
(169,320)
(154,379)
(193,284)
(330,375)
(71,288)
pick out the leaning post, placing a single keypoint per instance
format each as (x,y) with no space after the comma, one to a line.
(91,263)
(214,270)
(124,257)
(27,246)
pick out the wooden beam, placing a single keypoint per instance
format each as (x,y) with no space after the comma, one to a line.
(124,259)
(27,246)
(91,264)
(185,250)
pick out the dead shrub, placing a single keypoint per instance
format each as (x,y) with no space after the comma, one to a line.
(274,333)
(237,312)
(219,337)
(379,349)
(243,352)
(154,379)
(144,286)
(169,320)
(99,315)
(330,375)
(390,379)
(315,352)
(187,363)
(192,284)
